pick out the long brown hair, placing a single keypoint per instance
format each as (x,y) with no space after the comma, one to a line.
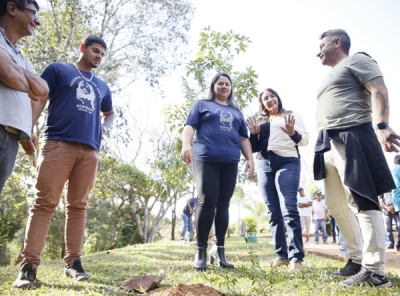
(231,99)
(263,112)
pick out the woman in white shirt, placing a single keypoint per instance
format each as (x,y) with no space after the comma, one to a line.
(275,136)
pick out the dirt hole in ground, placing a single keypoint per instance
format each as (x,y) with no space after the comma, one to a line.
(187,290)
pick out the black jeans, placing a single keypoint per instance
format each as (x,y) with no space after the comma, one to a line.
(215,182)
(8,154)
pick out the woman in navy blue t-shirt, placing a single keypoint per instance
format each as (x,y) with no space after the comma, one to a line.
(221,134)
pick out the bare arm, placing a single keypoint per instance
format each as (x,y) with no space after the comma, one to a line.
(11,74)
(189,206)
(380,107)
(37,85)
(245,147)
(108,119)
(307,204)
(187,137)
(19,79)
(37,107)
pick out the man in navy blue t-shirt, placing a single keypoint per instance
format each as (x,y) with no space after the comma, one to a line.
(69,156)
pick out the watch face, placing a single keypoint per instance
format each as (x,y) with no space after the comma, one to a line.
(382,125)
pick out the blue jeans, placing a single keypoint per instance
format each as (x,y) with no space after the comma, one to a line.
(342,243)
(278,180)
(389,230)
(187,224)
(320,224)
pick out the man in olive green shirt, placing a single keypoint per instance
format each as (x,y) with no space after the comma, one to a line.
(353,158)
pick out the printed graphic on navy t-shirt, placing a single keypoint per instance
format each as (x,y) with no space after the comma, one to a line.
(218,131)
(75,104)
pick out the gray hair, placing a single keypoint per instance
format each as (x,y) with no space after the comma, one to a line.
(342,35)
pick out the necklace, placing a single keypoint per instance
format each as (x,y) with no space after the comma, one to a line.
(87,79)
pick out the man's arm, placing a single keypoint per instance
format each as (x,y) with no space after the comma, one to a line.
(38,86)
(37,107)
(380,107)
(383,205)
(19,79)
(11,74)
(108,119)
(189,206)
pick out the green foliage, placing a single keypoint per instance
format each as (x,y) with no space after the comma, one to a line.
(118,187)
(251,224)
(14,201)
(134,31)
(216,54)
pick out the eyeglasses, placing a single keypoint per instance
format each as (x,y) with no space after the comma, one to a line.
(34,12)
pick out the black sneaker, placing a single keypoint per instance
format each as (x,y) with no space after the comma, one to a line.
(349,269)
(26,277)
(75,271)
(368,277)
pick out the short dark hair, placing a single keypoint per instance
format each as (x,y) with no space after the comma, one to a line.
(89,40)
(20,3)
(262,112)
(397,159)
(231,99)
(342,35)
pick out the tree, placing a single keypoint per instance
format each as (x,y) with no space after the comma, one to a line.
(177,178)
(118,185)
(144,38)
(217,52)
(14,203)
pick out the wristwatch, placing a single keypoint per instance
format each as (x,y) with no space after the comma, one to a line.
(382,125)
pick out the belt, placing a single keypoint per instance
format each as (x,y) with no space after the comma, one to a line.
(11,130)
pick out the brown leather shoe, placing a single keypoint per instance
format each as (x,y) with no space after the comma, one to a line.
(296,267)
(279,262)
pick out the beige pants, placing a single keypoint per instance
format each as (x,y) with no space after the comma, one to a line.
(365,238)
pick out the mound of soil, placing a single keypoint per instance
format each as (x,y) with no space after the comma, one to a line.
(187,290)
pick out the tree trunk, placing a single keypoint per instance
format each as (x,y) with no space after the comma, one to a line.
(173,220)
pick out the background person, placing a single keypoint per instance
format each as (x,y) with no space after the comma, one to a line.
(275,136)
(69,157)
(304,203)
(319,211)
(396,191)
(332,221)
(349,157)
(187,223)
(19,83)
(390,215)
(221,134)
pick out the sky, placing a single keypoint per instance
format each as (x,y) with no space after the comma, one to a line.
(285,41)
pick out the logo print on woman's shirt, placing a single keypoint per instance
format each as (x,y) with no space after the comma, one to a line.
(226,118)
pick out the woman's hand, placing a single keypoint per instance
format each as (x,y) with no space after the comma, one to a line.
(250,168)
(289,125)
(253,126)
(187,137)
(186,154)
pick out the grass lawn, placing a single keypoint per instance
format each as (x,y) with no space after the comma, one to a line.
(252,274)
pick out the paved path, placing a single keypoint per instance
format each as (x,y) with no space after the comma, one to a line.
(331,251)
